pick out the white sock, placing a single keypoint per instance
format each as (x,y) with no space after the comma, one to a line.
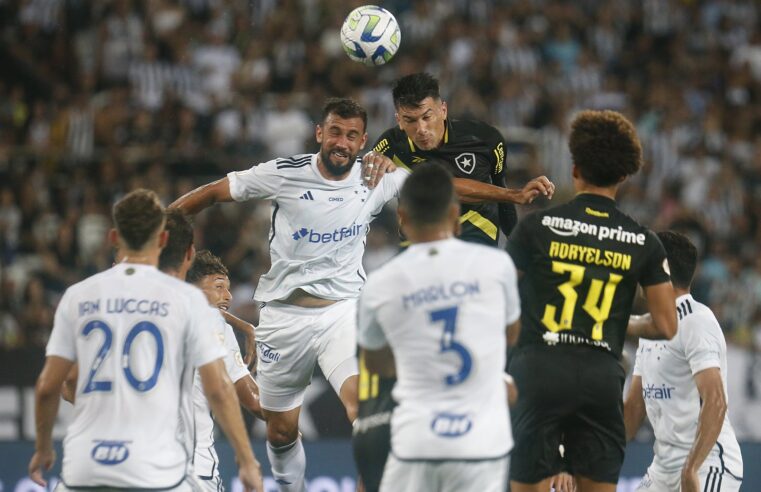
(289,464)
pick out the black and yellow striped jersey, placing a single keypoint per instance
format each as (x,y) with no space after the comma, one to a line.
(473,150)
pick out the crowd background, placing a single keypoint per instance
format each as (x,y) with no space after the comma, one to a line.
(98,98)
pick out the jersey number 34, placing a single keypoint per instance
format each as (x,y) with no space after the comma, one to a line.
(598,309)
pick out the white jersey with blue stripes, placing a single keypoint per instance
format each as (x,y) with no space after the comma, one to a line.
(317,235)
(671,396)
(137,334)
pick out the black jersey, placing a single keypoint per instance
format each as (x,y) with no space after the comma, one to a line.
(474,150)
(582,262)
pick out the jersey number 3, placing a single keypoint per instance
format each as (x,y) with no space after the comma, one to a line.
(103,352)
(598,310)
(449,344)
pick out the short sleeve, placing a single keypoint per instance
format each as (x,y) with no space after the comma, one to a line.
(63,339)
(371,336)
(512,299)
(518,245)
(392,183)
(702,347)
(234,364)
(261,181)
(203,345)
(655,270)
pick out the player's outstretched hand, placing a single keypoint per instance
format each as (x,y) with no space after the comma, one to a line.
(251,477)
(540,186)
(374,166)
(42,460)
(563,482)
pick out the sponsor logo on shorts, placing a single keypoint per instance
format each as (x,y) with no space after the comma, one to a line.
(267,354)
(451,425)
(110,452)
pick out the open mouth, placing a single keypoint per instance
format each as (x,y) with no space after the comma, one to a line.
(340,155)
(223,306)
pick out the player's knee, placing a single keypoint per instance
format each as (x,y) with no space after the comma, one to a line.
(281,433)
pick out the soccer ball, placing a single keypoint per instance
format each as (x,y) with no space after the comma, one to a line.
(370,34)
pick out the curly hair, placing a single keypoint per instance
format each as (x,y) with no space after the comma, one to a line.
(605,147)
(137,217)
(205,263)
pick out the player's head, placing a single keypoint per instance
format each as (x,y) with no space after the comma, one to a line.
(341,134)
(209,274)
(139,222)
(604,147)
(178,252)
(428,203)
(420,112)
(682,256)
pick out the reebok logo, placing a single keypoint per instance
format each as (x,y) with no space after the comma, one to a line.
(307,196)
(336,236)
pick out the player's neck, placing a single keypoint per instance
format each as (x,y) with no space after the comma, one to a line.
(606,191)
(141,257)
(428,234)
(680,292)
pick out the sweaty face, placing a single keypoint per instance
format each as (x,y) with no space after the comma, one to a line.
(425,124)
(216,287)
(340,141)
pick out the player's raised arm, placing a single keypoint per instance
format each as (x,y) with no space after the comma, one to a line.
(224,404)
(472,191)
(204,196)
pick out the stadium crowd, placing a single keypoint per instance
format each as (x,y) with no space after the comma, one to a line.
(99,98)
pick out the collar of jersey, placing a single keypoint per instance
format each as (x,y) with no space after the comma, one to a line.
(447,126)
(438,242)
(683,297)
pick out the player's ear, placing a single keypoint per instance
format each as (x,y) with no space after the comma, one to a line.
(163,238)
(190,253)
(401,213)
(444,109)
(318,134)
(575,172)
(113,238)
(363,142)
(398,120)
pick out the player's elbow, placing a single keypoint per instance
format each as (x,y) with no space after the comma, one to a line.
(46,389)
(717,402)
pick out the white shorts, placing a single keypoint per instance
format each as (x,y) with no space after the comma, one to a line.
(291,339)
(712,479)
(445,476)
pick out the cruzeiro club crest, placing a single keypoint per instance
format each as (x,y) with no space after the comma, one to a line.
(466,162)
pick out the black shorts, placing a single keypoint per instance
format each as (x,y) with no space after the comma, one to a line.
(573,393)
(371,436)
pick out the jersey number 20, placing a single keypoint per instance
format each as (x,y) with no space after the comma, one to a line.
(597,310)
(103,352)
(449,344)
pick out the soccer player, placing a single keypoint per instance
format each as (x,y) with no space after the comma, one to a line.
(475,153)
(436,317)
(209,274)
(321,212)
(580,264)
(473,150)
(681,385)
(137,332)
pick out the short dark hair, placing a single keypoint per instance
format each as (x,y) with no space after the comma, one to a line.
(427,194)
(605,147)
(180,231)
(682,256)
(410,90)
(345,108)
(204,264)
(137,217)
